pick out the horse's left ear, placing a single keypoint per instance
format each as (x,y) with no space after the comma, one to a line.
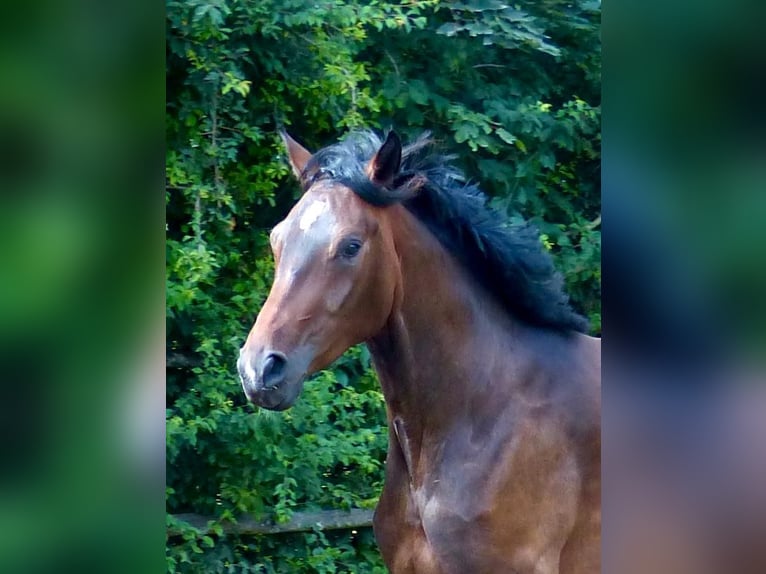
(384,166)
(298,155)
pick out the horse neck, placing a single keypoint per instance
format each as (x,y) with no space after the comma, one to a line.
(444,334)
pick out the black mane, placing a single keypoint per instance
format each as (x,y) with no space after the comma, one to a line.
(508,260)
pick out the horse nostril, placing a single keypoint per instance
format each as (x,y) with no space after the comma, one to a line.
(273,369)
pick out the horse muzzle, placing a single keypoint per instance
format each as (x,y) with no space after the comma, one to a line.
(267,379)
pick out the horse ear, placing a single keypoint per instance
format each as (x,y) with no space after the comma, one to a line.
(384,166)
(298,155)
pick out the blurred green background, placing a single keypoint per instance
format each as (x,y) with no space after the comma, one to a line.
(81,230)
(512,91)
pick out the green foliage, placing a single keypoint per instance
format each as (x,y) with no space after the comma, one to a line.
(513,91)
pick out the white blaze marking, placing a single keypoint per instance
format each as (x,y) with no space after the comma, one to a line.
(311,214)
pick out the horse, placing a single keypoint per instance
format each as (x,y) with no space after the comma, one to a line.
(491,384)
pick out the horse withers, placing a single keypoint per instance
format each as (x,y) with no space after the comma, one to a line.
(492,388)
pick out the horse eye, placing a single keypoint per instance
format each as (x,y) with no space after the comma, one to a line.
(350,249)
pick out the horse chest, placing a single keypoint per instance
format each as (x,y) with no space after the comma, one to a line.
(432,539)
(455,510)
(435,501)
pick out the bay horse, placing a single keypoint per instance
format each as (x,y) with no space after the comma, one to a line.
(492,389)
